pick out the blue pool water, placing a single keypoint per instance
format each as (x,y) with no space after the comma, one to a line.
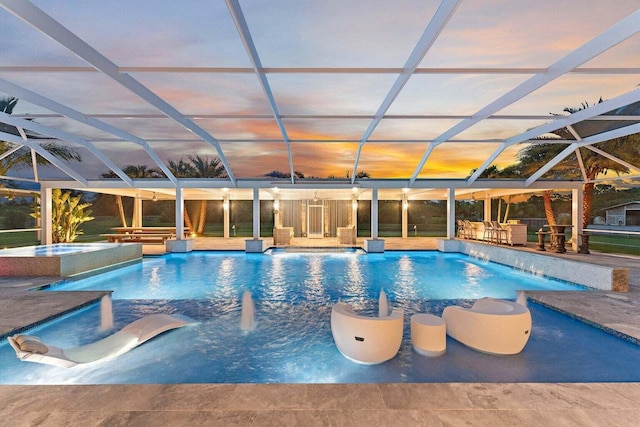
(292,342)
(320,278)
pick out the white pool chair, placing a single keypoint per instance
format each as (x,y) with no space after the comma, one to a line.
(31,349)
(491,325)
(366,340)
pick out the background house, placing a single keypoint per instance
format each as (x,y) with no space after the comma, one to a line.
(624,214)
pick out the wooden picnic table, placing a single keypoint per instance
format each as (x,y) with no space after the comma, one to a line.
(148,238)
(149,230)
(143,234)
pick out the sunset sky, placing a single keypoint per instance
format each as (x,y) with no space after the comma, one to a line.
(325,114)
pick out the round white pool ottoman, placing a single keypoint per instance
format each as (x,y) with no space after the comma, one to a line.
(428,334)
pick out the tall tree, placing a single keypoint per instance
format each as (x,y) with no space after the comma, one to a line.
(132,171)
(197,167)
(626,148)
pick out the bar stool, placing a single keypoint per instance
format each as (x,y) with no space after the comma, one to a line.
(488,231)
(499,231)
(470,229)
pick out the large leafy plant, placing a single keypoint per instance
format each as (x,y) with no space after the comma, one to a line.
(68,212)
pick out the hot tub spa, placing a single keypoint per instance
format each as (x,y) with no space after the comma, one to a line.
(65,259)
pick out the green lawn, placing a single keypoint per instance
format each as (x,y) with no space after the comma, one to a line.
(621,244)
(612,244)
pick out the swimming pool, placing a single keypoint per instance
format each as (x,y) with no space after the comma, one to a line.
(292,342)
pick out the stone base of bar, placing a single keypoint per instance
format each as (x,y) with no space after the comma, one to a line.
(448,245)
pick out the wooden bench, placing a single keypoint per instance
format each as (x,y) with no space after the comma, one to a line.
(145,238)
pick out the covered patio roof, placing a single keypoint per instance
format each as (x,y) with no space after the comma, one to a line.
(422,96)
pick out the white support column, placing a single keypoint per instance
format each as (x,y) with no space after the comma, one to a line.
(46,216)
(374,213)
(276,212)
(136,221)
(451,213)
(256,213)
(225,212)
(180,243)
(354,213)
(487,208)
(374,245)
(405,216)
(577,209)
(179,214)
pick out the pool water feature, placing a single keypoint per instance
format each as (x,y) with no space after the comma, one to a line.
(291,340)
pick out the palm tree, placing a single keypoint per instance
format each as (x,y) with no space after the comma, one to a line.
(197,167)
(132,171)
(203,167)
(511,171)
(23,157)
(279,174)
(626,148)
(533,157)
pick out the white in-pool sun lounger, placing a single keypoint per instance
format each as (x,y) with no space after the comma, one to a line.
(29,348)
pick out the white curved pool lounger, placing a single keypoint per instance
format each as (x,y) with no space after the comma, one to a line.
(366,340)
(491,325)
(30,349)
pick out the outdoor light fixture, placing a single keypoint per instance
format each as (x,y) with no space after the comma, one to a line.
(276,205)
(405,205)
(155,197)
(225,205)
(315,196)
(354,204)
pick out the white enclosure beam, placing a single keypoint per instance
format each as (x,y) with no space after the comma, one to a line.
(601,137)
(616,34)
(34,16)
(11,151)
(614,158)
(440,19)
(46,155)
(64,136)
(247,41)
(312,70)
(65,111)
(592,113)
